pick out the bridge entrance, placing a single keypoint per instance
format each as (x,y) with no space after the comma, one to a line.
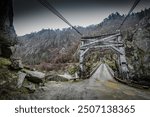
(113,42)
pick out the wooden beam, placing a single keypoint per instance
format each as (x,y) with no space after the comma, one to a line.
(82,54)
(117,50)
(98,36)
(101,46)
(104,39)
(112,42)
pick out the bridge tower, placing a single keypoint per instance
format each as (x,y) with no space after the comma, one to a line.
(110,41)
(122,62)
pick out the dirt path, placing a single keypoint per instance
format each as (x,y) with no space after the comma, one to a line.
(100,86)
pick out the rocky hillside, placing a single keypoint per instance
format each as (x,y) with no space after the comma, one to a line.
(138,49)
(48,44)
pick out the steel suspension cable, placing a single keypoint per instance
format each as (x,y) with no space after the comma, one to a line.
(132,8)
(46,4)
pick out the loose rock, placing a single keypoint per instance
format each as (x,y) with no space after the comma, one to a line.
(35,76)
(21,77)
(16,64)
(56,78)
(30,86)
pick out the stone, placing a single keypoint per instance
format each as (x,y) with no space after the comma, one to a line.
(21,77)
(16,63)
(57,78)
(35,76)
(29,68)
(30,86)
(3,82)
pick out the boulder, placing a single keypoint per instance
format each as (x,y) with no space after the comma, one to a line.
(35,76)
(57,78)
(16,63)
(21,77)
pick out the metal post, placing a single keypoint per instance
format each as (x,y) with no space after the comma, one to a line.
(122,62)
(81,59)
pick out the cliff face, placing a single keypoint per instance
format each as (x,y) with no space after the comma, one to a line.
(8,78)
(7,32)
(138,49)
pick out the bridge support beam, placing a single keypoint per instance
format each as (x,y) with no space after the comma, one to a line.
(82,62)
(122,62)
(113,42)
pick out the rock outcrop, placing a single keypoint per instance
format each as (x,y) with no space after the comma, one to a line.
(138,50)
(8,37)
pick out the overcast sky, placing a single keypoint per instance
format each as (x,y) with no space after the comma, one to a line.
(31,16)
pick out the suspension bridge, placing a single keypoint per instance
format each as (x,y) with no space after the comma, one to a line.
(101,84)
(112,42)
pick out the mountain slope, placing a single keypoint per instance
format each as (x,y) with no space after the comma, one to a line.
(59,46)
(47,44)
